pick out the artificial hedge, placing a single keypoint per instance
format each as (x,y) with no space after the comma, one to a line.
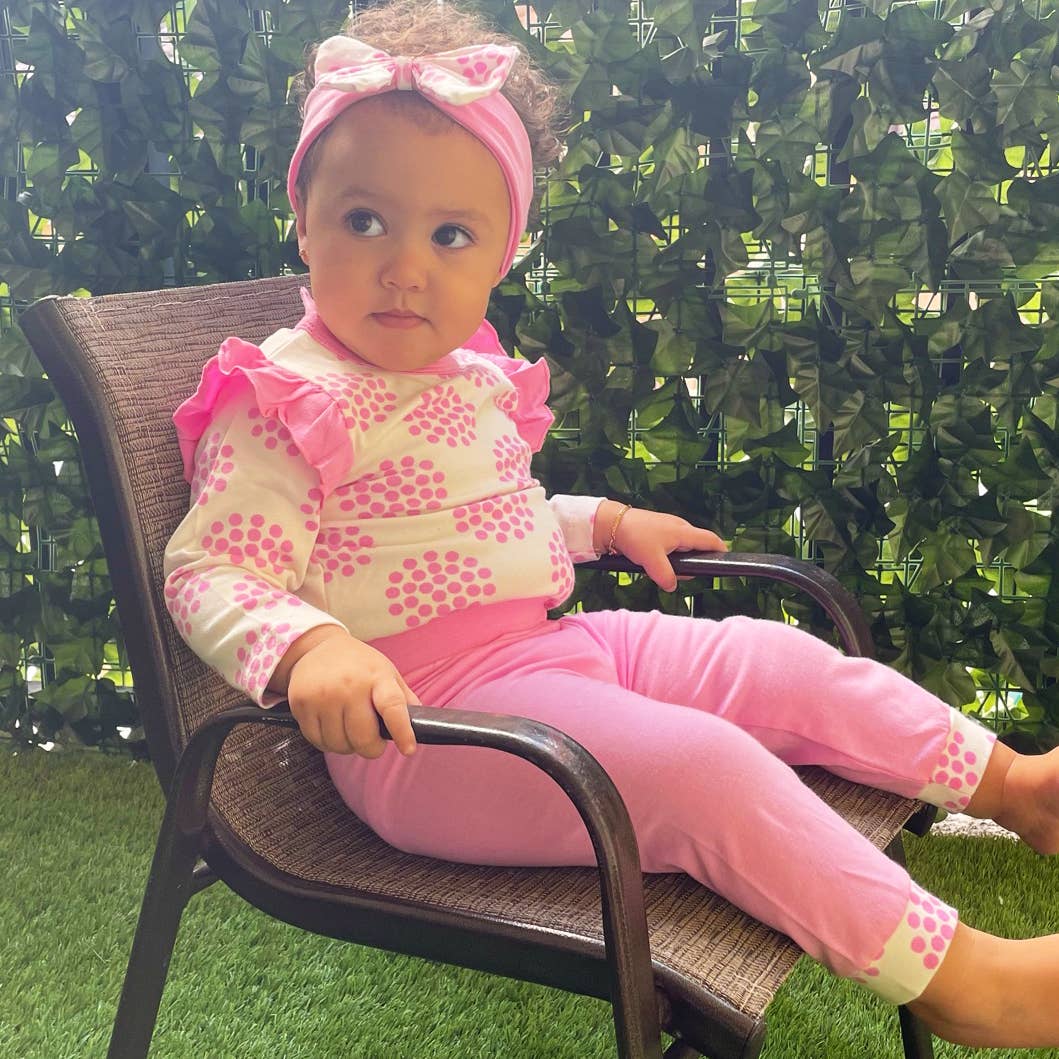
(793,284)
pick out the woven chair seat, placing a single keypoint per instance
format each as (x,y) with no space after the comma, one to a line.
(274,792)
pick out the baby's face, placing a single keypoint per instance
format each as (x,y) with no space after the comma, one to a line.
(404,231)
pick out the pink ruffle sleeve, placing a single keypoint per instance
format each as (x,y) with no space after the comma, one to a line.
(314,420)
(531,379)
(576,515)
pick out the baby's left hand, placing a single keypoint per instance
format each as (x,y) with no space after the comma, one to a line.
(647,538)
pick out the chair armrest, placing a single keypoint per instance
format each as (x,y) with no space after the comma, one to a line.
(840,605)
(576,771)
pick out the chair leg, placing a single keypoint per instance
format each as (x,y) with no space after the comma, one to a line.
(916,1038)
(170,885)
(918,1042)
(681,1050)
(176,874)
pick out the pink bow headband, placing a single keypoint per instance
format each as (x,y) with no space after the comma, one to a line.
(464,84)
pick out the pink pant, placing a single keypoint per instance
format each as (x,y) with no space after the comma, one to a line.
(697,723)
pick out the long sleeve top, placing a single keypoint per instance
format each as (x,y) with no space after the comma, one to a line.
(397,505)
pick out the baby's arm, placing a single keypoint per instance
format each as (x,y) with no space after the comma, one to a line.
(337,688)
(645,537)
(232,569)
(648,537)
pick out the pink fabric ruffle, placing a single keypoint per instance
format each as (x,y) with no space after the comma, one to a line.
(531,379)
(314,420)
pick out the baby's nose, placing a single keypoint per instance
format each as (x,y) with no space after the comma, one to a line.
(406,268)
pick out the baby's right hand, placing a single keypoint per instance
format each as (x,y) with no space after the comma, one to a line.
(337,691)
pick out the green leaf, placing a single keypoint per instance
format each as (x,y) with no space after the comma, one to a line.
(951,683)
(299,21)
(106,49)
(744,324)
(215,36)
(909,27)
(784,444)
(600,37)
(688,20)
(966,206)
(980,157)
(1024,95)
(57,62)
(74,697)
(965,93)
(736,389)
(678,438)
(673,352)
(823,387)
(854,49)
(860,420)
(780,81)
(874,283)
(25,263)
(946,556)
(795,24)
(1009,645)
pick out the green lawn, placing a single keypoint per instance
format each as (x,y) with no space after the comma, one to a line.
(75,843)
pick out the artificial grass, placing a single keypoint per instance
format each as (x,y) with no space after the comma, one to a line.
(77,837)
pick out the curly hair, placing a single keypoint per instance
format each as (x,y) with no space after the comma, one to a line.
(421,27)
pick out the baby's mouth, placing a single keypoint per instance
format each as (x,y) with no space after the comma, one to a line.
(396,318)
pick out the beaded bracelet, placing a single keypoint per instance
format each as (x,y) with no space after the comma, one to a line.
(611,550)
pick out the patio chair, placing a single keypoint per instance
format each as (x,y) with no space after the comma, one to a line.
(250,803)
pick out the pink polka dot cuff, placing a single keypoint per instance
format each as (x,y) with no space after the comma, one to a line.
(914,951)
(960,766)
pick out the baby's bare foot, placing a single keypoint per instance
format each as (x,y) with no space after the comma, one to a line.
(1031,801)
(993,993)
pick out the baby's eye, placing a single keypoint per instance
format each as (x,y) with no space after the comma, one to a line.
(362,222)
(449,235)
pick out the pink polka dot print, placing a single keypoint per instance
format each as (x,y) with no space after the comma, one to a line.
(398,487)
(483,68)
(501,519)
(260,654)
(252,593)
(249,541)
(915,949)
(442,417)
(437,584)
(183,590)
(482,375)
(213,464)
(311,510)
(507,402)
(271,433)
(339,552)
(933,926)
(363,399)
(957,770)
(562,570)
(512,456)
